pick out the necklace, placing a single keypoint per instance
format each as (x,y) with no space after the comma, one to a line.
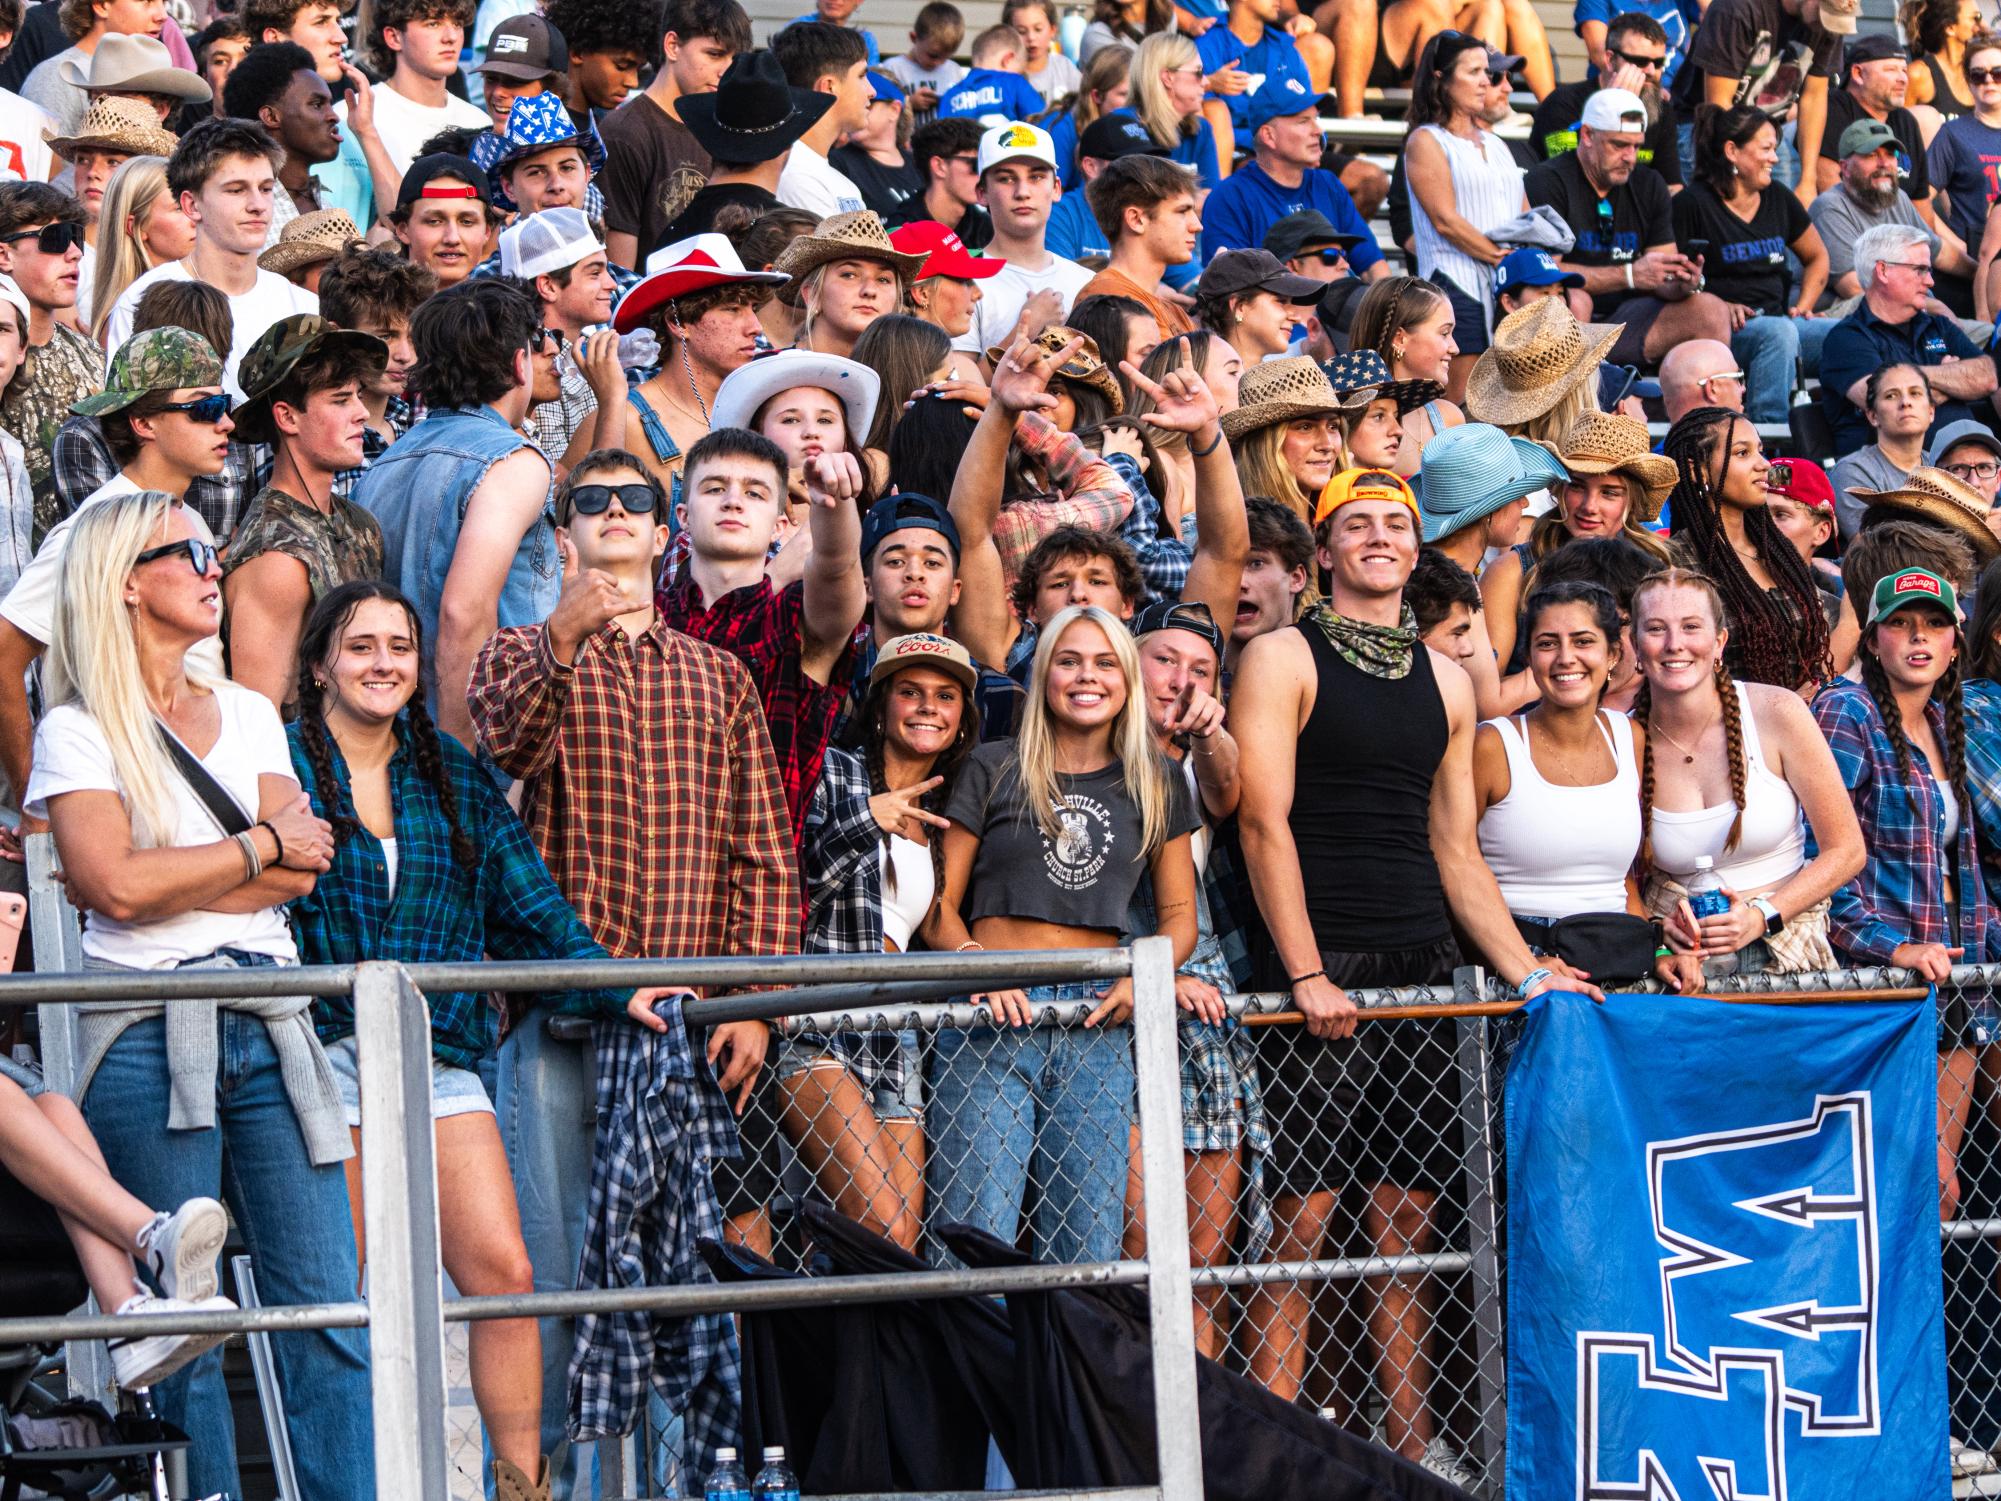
(1687,755)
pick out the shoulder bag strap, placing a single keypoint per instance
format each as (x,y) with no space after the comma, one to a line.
(222,807)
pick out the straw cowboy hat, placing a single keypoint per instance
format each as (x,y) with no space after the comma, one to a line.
(1539,355)
(136,65)
(856,235)
(1275,391)
(130,127)
(318,236)
(744,390)
(1086,366)
(1936,496)
(1605,442)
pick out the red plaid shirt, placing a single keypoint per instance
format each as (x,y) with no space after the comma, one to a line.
(649,786)
(765,629)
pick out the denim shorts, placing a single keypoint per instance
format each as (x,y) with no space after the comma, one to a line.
(886,1065)
(454,1091)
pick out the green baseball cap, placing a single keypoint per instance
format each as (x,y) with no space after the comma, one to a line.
(160,359)
(1911,586)
(277,353)
(1865,136)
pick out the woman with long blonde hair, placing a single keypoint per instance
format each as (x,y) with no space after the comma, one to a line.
(1049,838)
(182,832)
(140,226)
(847,275)
(1167,83)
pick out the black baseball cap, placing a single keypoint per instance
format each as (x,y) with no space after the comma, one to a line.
(426,170)
(525,48)
(1234,272)
(1110,137)
(896,513)
(1309,226)
(1179,615)
(1872,47)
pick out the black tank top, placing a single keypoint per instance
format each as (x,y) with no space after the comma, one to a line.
(1944,100)
(1361,805)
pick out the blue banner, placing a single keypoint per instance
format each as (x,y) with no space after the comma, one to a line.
(1723,1253)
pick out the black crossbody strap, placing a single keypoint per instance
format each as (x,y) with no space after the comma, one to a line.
(222,807)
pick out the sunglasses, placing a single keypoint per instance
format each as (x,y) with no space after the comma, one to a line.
(1640,62)
(50,239)
(547,338)
(200,555)
(1494,77)
(1329,255)
(593,500)
(1983,75)
(204,409)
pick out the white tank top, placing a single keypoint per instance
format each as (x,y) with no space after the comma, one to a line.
(1772,845)
(903,908)
(1558,851)
(1486,192)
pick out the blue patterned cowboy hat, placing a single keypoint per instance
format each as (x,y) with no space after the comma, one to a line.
(535,124)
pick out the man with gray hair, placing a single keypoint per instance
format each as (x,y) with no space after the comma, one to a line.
(1700,373)
(1868,193)
(1893,325)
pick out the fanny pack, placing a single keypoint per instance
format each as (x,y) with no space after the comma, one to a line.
(1607,946)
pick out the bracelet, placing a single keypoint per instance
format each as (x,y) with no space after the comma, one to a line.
(1532,979)
(1203,453)
(972,943)
(1298,980)
(1663,952)
(253,863)
(272,829)
(1629,275)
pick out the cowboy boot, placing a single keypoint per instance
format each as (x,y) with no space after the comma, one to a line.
(510,1484)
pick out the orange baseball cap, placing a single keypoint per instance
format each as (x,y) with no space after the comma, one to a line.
(1363,484)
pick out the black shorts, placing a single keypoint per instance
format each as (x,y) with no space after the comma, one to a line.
(1385,74)
(1469,319)
(1380,1107)
(1636,316)
(749,1182)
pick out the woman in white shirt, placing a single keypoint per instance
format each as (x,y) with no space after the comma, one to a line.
(182,833)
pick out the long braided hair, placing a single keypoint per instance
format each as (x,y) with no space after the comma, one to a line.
(1781,643)
(317,645)
(1945,693)
(1726,693)
(875,734)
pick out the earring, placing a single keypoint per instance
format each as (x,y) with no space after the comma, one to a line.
(1396,351)
(1240,317)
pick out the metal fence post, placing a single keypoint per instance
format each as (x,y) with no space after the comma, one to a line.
(1476,1121)
(1170,1293)
(399,1187)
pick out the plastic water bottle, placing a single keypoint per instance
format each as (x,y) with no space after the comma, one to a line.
(1706,899)
(776,1482)
(727,1480)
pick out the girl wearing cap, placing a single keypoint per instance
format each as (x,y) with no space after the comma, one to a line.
(1410,324)
(945,287)
(1051,836)
(146,229)
(1252,314)
(1921,900)
(872,857)
(1286,432)
(846,274)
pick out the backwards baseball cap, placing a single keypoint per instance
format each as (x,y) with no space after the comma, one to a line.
(1364,484)
(1807,484)
(537,244)
(1530,267)
(525,48)
(1017,139)
(885,87)
(1110,137)
(1876,47)
(1867,135)
(1277,97)
(923,649)
(1913,586)
(896,513)
(160,359)
(1614,109)
(1191,616)
(442,174)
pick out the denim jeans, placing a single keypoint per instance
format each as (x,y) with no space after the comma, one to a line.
(547,1107)
(1766,349)
(294,1218)
(1051,1103)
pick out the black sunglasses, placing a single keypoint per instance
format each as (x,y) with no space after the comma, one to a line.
(544,337)
(1640,62)
(200,555)
(1327,255)
(205,409)
(50,239)
(635,500)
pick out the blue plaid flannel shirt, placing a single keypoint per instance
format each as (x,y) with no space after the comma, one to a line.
(1163,560)
(661,1120)
(1983,772)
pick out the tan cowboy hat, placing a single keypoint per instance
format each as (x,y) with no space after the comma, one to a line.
(318,236)
(1540,353)
(1086,366)
(857,235)
(1936,496)
(1604,442)
(136,65)
(129,126)
(1275,391)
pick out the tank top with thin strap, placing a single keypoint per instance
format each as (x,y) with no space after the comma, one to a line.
(1772,845)
(1557,851)
(1944,100)
(1361,805)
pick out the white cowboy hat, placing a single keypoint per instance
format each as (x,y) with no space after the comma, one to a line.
(749,387)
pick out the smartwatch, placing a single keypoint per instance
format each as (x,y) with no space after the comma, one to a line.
(1774,923)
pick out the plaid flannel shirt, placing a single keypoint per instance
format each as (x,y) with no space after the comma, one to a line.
(1164,561)
(1983,772)
(662,1120)
(840,861)
(1901,894)
(1089,492)
(507,907)
(80,462)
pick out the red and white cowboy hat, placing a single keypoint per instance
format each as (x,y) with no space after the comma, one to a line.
(691,265)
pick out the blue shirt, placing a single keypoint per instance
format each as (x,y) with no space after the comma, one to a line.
(1677,18)
(1862,343)
(1199,151)
(1073,229)
(1239,214)
(1273,55)
(1964,160)
(990,91)
(868,37)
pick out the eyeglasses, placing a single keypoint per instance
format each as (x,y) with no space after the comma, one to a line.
(1923,268)
(1650,63)
(200,555)
(594,500)
(1983,75)
(1736,375)
(50,239)
(208,410)
(1972,472)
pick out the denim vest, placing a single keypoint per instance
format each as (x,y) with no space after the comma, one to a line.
(418,489)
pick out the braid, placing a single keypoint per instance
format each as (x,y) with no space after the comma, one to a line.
(1733,745)
(878,781)
(431,766)
(1949,694)
(337,810)
(1877,682)
(1643,709)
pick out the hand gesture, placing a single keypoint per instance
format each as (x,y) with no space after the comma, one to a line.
(1182,400)
(1037,313)
(1228,79)
(1629,78)
(360,100)
(307,838)
(1021,379)
(1932,960)
(1329,1012)
(1197,713)
(590,600)
(833,479)
(1120,437)
(598,363)
(746,1043)
(893,810)
(640,1007)
(1198,996)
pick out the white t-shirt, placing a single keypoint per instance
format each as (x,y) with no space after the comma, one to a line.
(810,183)
(404,125)
(1059,76)
(71,755)
(1003,293)
(941,79)
(263,305)
(24,131)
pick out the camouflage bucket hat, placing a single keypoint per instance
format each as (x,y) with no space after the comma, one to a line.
(273,357)
(160,359)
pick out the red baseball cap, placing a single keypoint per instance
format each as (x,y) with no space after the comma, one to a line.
(945,253)
(1809,486)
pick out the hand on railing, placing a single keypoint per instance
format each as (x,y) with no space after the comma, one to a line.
(1200,997)
(640,1007)
(1328,1011)
(1932,960)
(1115,1006)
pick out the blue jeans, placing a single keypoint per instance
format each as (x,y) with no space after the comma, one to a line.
(547,1107)
(295,1221)
(1048,1102)
(1766,349)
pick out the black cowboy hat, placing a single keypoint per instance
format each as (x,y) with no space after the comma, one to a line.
(755,114)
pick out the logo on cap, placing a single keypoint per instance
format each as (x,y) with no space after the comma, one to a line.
(1917,583)
(505,43)
(1019,135)
(1295,85)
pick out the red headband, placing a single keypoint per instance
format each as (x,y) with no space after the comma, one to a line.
(436,189)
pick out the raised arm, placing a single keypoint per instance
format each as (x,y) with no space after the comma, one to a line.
(1183,403)
(836,591)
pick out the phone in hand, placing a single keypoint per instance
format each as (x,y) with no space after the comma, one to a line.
(1695,250)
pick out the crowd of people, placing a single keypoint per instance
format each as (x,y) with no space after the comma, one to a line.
(463,503)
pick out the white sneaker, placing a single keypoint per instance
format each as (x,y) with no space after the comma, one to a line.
(146,1359)
(181,1248)
(1448,1465)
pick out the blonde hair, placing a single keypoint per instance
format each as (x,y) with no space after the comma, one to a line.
(121,251)
(1143,772)
(1554,423)
(1101,75)
(93,659)
(809,295)
(1262,469)
(1161,53)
